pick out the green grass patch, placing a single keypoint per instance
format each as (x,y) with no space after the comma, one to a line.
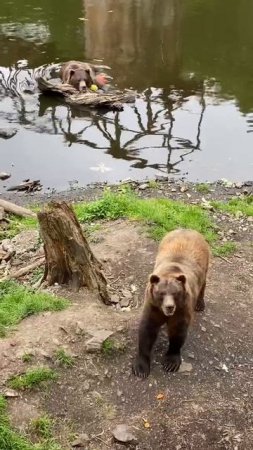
(225,249)
(63,358)
(16,225)
(236,205)
(153,184)
(203,188)
(162,215)
(27,357)
(32,378)
(18,302)
(12,440)
(111,346)
(43,427)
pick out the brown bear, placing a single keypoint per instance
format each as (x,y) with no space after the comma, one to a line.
(79,74)
(175,289)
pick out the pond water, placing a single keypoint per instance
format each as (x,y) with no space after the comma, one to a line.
(190,61)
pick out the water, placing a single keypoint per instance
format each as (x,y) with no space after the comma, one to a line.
(190,61)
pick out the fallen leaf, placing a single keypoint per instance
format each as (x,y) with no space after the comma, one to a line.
(160,396)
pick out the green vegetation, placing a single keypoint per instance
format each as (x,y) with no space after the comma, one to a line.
(27,357)
(236,205)
(18,302)
(161,215)
(203,188)
(32,378)
(43,427)
(153,184)
(111,346)
(224,249)
(12,440)
(17,225)
(63,358)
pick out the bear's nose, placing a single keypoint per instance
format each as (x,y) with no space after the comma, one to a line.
(170,310)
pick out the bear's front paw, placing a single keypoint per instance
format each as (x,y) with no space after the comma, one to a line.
(141,368)
(172,362)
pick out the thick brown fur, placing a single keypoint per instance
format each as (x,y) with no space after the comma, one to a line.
(174,290)
(79,74)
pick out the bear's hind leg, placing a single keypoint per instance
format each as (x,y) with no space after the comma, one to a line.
(177,337)
(200,305)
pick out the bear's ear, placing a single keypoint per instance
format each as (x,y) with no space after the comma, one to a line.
(154,279)
(181,278)
(71,73)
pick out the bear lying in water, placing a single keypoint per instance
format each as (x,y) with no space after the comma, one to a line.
(175,289)
(82,75)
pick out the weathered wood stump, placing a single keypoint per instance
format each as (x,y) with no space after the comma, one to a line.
(69,259)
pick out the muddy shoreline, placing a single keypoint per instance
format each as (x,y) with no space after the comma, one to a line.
(159,187)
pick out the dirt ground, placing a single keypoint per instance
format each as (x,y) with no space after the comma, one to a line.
(206,406)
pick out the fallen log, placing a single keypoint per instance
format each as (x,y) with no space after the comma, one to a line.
(25,270)
(15,209)
(113,100)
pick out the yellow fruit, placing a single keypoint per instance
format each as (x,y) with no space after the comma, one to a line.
(94,87)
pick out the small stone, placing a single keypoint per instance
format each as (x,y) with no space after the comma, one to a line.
(126,293)
(203,329)
(86,385)
(191,355)
(94,344)
(239,185)
(185,367)
(143,186)
(7,133)
(124,302)
(184,188)
(173,190)
(114,298)
(4,176)
(161,178)
(250,219)
(122,433)
(81,440)
(10,393)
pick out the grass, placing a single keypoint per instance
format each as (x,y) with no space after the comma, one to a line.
(153,184)
(162,215)
(203,188)
(224,249)
(32,378)
(27,357)
(18,302)
(236,205)
(63,358)
(43,427)
(17,225)
(111,346)
(12,440)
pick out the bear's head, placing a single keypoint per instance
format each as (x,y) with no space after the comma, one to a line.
(168,294)
(80,78)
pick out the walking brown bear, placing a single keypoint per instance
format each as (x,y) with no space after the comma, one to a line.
(175,289)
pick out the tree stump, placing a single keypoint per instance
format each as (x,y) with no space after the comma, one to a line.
(69,259)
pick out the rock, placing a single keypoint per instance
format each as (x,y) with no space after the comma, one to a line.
(94,344)
(86,385)
(4,176)
(7,133)
(126,293)
(2,213)
(185,367)
(25,241)
(250,219)
(173,190)
(183,188)
(143,186)
(122,433)
(239,185)
(124,302)
(114,298)
(161,178)
(81,440)
(10,393)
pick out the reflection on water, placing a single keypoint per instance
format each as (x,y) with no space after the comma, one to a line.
(191,117)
